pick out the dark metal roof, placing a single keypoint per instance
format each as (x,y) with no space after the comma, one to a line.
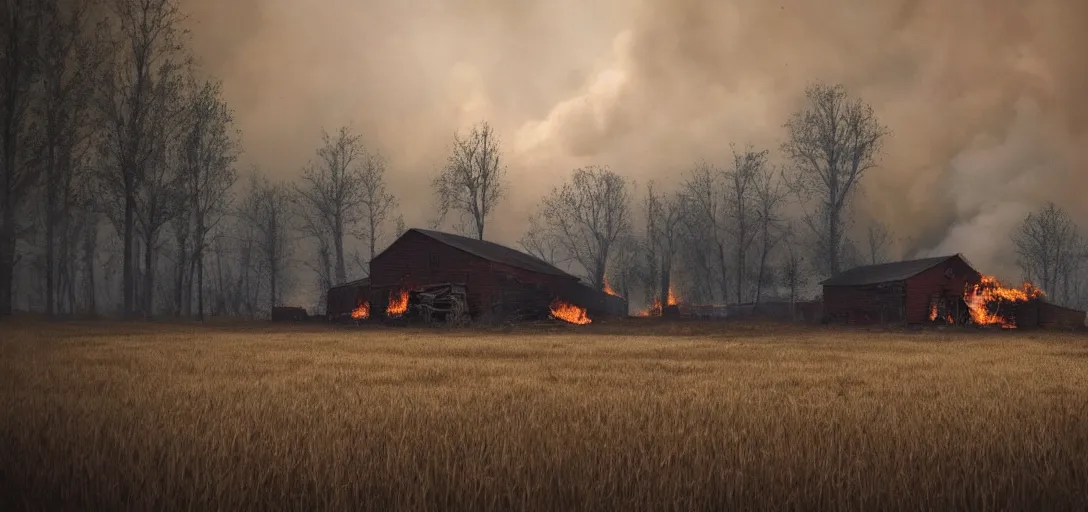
(358,282)
(494,252)
(885,272)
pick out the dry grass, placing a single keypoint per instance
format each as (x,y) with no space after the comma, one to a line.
(159,417)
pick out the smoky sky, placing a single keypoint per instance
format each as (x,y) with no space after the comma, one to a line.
(987,99)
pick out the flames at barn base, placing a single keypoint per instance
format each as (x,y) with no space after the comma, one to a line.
(569,313)
(990,303)
(362,312)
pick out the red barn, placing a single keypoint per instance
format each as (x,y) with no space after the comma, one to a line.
(907,292)
(498,280)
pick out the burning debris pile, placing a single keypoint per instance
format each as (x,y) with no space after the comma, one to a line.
(656,309)
(987,299)
(569,313)
(362,312)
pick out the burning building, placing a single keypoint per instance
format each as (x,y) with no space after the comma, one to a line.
(497,281)
(900,292)
(943,290)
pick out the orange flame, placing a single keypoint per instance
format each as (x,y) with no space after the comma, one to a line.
(932,312)
(362,312)
(984,300)
(398,303)
(655,309)
(608,289)
(569,313)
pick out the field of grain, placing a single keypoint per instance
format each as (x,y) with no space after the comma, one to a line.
(169,417)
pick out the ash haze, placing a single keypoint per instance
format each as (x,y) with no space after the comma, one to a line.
(987,99)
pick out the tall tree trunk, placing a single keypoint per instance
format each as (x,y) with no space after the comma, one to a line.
(666,283)
(762,265)
(833,242)
(273,272)
(50,262)
(725,273)
(128,271)
(149,277)
(180,270)
(7,259)
(341,269)
(89,248)
(200,286)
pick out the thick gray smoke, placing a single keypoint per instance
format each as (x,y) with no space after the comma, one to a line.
(987,99)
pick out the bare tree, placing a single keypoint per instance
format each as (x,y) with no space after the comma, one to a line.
(832,142)
(1049,246)
(471,183)
(134,93)
(69,58)
(401,228)
(741,211)
(22,27)
(160,198)
(665,213)
(541,241)
(209,150)
(770,196)
(589,214)
(267,210)
(878,238)
(794,275)
(332,196)
(706,219)
(625,268)
(377,203)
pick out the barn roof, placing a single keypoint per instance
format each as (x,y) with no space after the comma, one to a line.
(886,272)
(494,252)
(358,282)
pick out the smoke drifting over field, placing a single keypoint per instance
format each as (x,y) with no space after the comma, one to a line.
(986,98)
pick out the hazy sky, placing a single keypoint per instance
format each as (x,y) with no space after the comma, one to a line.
(987,99)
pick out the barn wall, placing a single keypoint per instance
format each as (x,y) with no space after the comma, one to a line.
(416,260)
(865,304)
(1055,316)
(922,287)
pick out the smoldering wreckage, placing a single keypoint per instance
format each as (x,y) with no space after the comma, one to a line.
(435,278)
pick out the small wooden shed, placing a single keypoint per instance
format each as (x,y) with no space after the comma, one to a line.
(342,299)
(899,292)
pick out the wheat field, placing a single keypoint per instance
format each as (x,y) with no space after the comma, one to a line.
(650,417)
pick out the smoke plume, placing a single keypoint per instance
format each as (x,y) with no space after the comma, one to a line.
(986,98)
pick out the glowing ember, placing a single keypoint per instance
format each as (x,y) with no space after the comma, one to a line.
(608,289)
(362,312)
(398,303)
(569,313)
(984,301)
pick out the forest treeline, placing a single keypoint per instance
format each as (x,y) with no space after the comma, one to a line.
(121,193)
